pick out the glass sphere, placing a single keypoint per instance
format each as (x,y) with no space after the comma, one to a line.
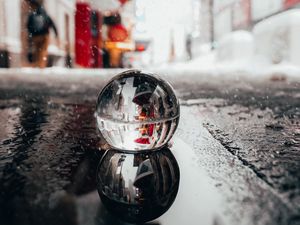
(138,187)
(137,111)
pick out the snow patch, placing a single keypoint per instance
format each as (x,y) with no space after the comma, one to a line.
(236,46)
(277,38)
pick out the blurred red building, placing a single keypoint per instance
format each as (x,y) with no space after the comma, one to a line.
(290,3)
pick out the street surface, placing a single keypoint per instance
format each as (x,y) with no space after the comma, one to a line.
(237,146)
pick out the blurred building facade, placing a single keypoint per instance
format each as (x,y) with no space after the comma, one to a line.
(67,51)
(220,17)
(14,36)
(10,42)
(166,25)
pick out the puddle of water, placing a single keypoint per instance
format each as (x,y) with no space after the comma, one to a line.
(45,148)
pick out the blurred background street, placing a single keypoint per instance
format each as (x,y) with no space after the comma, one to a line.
(234,65)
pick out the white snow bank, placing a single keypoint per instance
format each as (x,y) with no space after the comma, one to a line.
(198,70)
(209,68)
(236,46)
(277,38)
(58,75)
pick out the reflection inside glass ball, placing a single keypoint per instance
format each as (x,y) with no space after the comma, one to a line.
(138,187)
(137,111)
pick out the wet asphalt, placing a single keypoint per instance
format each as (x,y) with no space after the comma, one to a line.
(245,137)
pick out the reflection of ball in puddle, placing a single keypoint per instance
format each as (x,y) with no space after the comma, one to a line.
(138,187)
(137,111)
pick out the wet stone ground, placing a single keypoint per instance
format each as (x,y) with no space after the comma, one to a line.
(49,144)
(260,125)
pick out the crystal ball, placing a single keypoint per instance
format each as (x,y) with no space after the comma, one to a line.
(137,111)
(138,187)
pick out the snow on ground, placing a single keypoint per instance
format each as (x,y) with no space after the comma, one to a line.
(204,67)
(256,68)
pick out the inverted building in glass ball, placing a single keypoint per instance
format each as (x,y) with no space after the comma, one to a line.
(138,187)
(137,111)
